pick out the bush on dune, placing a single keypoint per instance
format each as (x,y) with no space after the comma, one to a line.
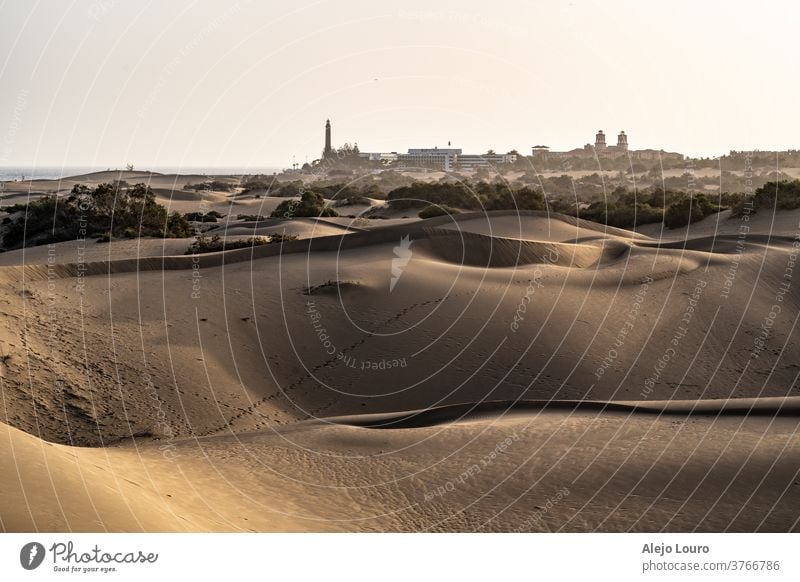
(352,200)
(421,194)
(211,216)
(682,213)
(784,195)
(290,190)
(621,215)
(689,210)
(204,244)
(774,195)
(211,185)
(109,209)
(498,196)
(311,204)
(345,194)
(481,196)
(433,211)
(630,209)
(260,182)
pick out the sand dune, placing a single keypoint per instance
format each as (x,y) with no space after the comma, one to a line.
(765,221)
(771,407)
(550,471)
(235,348)
(92,251)
(168,188)
(301,228)
(232,342)
(530,224)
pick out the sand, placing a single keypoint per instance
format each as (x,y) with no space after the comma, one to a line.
(545,472)
(183,394)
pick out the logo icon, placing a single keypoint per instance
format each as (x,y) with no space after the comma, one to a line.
(31,555)
(402,254)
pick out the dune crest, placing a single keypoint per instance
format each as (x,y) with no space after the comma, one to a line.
(269,368)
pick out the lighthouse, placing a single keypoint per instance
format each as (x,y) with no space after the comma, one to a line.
(326,153)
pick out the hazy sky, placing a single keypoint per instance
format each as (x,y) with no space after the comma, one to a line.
(106,82)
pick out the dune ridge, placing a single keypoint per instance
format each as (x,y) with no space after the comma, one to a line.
(253,404)
(333,478)
(772,407)
(468,248)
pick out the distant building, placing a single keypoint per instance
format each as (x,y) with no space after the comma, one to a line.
(448,159)
(603,150)
(387,157)
(471,162)
(600,140)
(345,152)
(621,147)
(622,141)
(433,158)
(326,153)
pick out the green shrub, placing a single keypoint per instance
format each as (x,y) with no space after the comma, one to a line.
(202,217)
(352,200)
(622,215)
(204,244)
(178,226)
(260,182)
(433,211)
(116,209)
(774,195)
(483,195)
(682,213)
(783,195)
(290,190)
(280,237)
(216,185)
(688,210)
(311,204)
(422,194)
(745,205)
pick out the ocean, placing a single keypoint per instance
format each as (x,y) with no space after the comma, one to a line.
(10,173)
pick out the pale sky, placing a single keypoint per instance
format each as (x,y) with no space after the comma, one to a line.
(250,83)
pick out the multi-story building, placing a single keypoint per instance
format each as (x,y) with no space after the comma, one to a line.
(603,150)
(382,156)
(474,161)
(433,158)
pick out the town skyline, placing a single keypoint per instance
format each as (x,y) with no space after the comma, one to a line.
(119,91)
(590,141)
(603,145)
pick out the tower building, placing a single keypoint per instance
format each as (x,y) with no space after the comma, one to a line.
(327,151)
(600,140)
(622,141)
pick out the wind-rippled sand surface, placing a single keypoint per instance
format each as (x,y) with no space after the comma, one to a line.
(200,377)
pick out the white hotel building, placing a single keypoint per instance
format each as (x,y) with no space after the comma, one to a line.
(449,159)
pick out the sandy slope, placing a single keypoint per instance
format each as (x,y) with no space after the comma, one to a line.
(168,188)
(784,222)
(528,225)
(551,471)
(90,251)
(241,345)
(543,308)
(301,228)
